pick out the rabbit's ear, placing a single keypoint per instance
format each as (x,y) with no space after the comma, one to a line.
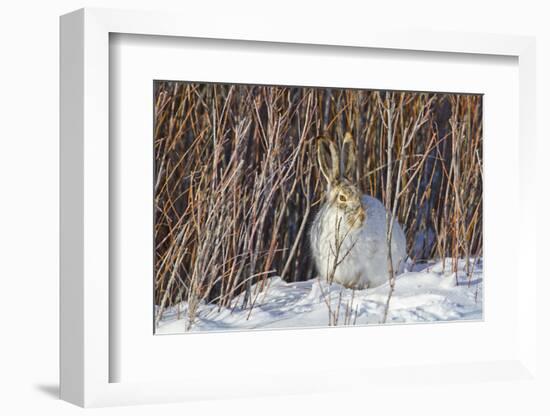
(349,156)
(327,156)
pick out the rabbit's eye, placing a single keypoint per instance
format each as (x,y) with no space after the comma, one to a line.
(342,198)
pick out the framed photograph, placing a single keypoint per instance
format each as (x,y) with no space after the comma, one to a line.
(250,214)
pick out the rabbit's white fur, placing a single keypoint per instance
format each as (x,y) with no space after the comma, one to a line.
(349,234)
(363,251)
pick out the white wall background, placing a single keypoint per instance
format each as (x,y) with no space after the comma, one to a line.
(29,193)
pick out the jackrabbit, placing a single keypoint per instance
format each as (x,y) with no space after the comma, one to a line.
(348,236)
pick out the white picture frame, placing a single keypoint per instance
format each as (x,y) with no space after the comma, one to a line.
(86,356)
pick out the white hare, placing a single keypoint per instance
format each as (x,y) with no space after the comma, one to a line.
(348,236)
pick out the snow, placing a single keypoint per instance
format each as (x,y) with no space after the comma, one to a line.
(424,293)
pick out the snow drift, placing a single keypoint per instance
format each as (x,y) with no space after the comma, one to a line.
(427,293)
